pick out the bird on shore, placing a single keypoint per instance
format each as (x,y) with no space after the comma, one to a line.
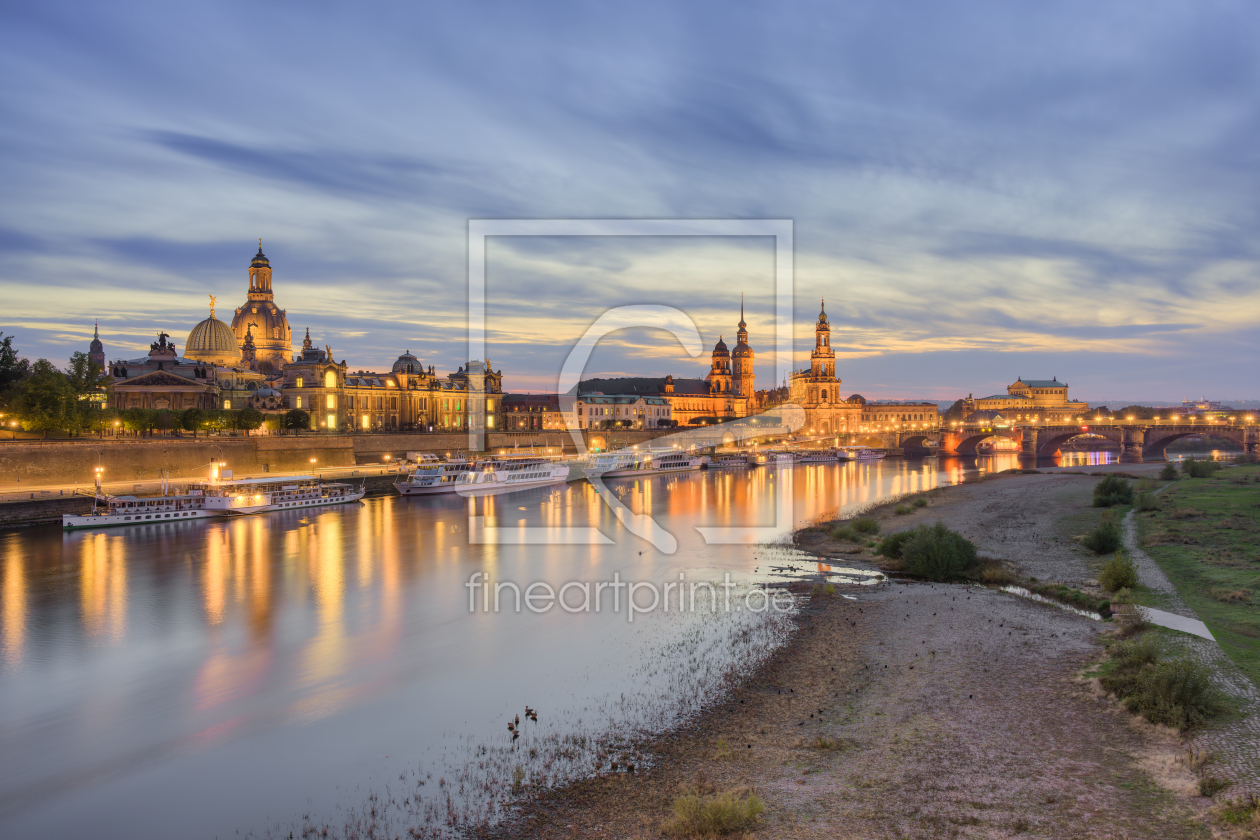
(511,728)
(518,719)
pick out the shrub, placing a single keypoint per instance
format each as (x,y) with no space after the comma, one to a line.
(1199,469)
(842,533)
(1113,490)
(892,544)
(865,525)
(901,510)
(920,502)
(937,553)
(1146,501)
(1105,538)
(1176,692)
(1119,573)
(1231,596)
(1168,473)
(707,815)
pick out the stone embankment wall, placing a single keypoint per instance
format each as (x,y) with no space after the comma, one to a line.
(36,463)
(39,511)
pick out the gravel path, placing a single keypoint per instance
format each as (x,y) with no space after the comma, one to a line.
(1235,741)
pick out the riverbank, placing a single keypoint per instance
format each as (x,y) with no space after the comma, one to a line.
(923,710)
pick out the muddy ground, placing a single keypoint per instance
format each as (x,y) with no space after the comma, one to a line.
(923,710)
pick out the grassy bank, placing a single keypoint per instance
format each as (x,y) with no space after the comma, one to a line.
(1206,538)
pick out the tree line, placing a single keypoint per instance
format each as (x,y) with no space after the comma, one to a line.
(40,397)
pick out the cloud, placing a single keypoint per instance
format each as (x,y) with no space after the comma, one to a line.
(990,182)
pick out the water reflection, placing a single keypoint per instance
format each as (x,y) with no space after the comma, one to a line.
(191,678)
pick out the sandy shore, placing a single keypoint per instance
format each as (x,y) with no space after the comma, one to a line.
(923,710)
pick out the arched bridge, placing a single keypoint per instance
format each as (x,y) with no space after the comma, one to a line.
(1136,440)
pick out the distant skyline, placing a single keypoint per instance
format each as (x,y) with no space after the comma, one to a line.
(980,192)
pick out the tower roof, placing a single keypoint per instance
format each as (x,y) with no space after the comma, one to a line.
(260,259)
(96,346)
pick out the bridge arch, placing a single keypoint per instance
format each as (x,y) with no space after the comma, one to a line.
(914,441)
(1156,442)
(1047,446)
(967,443)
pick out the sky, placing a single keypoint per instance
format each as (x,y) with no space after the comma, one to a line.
(980,191)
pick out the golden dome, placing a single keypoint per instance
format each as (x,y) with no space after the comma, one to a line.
(214,342)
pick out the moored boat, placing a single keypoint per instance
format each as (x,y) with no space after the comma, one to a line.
(507,473)
(433,477)
(642,462)
(215,499)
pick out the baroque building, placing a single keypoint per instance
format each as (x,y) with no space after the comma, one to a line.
(1044,399)
(263,320)
(817,388)
(408,398)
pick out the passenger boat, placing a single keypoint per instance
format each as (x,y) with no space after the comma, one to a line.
(817,456)
(863,453)
(507,473)
(729,462)
(779,458)
(756,459)
(215,499)
(643,462)
(433,477)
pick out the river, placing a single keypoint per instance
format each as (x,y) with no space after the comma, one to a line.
(200,679)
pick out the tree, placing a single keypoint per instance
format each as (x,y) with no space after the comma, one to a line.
(12,369)
(296,418)
(85,375)
(45,400)
(192,420)
(249,418)
(957,412)
(165,419)
(138,420)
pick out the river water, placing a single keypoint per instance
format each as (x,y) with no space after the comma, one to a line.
(200,679)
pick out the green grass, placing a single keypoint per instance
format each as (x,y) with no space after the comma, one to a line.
(1206,538)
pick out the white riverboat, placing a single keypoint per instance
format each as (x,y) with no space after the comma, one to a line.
(779,458)
(433,477)
(215,499)
(863,453)
(729,462)
(756,459)
(817,456)
(643,462)
(507,473)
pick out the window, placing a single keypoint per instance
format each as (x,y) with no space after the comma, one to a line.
(297,383)
(297,402)
(393,403)
(330,379)
(366,422)
(227,403)
(331,402)
(380,403)
(332,420)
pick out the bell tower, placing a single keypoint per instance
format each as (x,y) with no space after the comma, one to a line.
(742,377)
(822,362)
(260,276)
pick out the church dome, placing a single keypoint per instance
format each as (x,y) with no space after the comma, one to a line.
(408,363)
(214,342)
(719,349)
(857,398)
(742,351)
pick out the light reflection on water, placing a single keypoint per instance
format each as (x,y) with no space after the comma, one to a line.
(192,679)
